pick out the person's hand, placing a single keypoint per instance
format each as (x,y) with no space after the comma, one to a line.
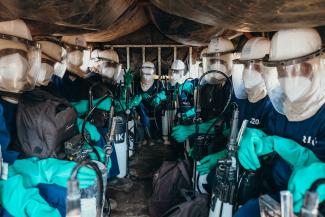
(209,162)
(251,147)
(155,102)
(50,171)
(91,129)
(182,132)
(136,100)
(128,78)
(187,87)
(302,179)
(104,105)
(189,114)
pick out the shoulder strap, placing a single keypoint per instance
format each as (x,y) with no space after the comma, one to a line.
(184,171)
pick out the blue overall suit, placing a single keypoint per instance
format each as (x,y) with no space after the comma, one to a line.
(309,133)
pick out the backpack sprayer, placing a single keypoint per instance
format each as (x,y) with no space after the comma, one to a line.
(227,173)
(269,207)
(90,201)
(198,120)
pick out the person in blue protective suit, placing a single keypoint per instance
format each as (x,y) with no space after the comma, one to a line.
(182,91)
(19,195)
(152,94)
(295,131)
(250,95)
(213,89)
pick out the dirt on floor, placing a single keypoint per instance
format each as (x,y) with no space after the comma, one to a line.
(132,193)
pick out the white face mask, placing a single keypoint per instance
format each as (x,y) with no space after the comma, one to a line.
(45,75)
(75,58)
(295,88)
(147,75)
(176,77)
(13,72)
(252,79)
(108,72)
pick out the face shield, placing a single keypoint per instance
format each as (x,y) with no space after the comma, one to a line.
(215,62)
(20,66)
(237,80)
(147,74)
(293,82)
(109,70)
(176,76)
(75,58)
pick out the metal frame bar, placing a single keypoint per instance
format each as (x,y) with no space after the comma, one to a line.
(145,45)
(158,46)
(159,61)
(128,60)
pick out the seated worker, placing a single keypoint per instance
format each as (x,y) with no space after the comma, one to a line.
(152,94)
(19,69)
(214,88)
(249,93)
(183,91)
(295,130)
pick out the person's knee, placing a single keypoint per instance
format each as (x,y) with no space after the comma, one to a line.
(249,209)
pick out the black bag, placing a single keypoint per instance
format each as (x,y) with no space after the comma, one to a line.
(44,122)
(167,184)
(196,205)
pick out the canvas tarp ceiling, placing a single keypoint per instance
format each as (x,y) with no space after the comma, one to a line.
(191,22)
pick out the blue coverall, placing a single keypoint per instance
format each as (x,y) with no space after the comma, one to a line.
(309,133)
(257,115)
(144,108)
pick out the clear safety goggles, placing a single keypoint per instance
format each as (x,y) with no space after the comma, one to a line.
(19,68)
(147,71)
(110,69)
(292,80)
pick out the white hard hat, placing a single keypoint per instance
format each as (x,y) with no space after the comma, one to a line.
(51,50)
(148,65)
(255,48)
(178,65)
(293,43)
(17,28)
(108,55)
(220,45)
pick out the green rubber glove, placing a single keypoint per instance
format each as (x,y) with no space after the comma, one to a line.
(128,78)
(292,152)
(22,201)
(251,147)
(302,179)
(136,100)
(91,129)
(256,143)
(50,171)
(101,153)
(182,132)
(162,95)
(157,100)
(189,114)
(82,107)
(210,161)
(120,105)
(188,87)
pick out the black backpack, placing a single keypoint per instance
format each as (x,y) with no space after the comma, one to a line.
(168,182)
(44,122)
(196,205)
